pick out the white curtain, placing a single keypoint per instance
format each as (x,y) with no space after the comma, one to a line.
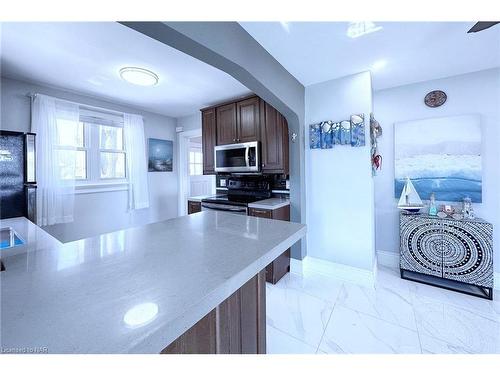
(137,174)
(55,123)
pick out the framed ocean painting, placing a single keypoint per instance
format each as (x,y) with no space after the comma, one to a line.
(440,155)
(160,158)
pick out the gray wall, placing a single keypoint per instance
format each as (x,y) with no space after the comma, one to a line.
(340,199)
(473,93)
(227,46)
(190,122)
(97,213)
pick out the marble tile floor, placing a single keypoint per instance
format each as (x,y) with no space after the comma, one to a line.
(312,313)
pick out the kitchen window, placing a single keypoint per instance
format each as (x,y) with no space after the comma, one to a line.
(100,160)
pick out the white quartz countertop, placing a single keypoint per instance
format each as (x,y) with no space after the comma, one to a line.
(271,203)
(134,290)
(198,198)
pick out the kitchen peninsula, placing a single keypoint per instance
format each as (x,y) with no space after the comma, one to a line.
(193,284)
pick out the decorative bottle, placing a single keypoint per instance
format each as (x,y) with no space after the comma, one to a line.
(432,206)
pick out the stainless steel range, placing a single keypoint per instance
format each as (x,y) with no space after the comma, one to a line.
(241,190)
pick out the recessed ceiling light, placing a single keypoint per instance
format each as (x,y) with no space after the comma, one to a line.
(377,65)
(139,76)
(357,29)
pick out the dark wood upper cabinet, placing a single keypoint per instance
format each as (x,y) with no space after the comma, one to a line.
(248,120)
(274,137)
(209,139)
(226,124)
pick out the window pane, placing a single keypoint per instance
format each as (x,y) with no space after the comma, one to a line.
(191,156)
(81,165)
(110,137)
(112,165)
(197,157)
(72,164)
(198,169)
(191,169)
(69,133)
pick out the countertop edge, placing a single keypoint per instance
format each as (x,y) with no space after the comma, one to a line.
(160,339)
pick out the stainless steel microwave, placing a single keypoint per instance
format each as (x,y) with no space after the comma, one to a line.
(238,157)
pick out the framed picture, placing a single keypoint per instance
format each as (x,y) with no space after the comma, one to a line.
(160,157)
(441,156)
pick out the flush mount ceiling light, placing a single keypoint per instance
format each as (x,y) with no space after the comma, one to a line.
(139,76)
(357,29)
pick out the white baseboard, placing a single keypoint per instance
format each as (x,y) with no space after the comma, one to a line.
(388,258)
(331,269)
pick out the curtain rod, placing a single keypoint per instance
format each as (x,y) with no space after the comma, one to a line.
(101,109)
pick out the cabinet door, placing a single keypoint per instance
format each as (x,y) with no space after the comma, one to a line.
(208,130)
(274,135)
(421,245)
(193,207)
(248,120)
(226,124)
(468,252)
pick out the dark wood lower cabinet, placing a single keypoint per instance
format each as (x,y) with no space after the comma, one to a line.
(193,207)
(281,265)
(236,326)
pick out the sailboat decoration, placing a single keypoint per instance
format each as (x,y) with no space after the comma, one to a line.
(410,200)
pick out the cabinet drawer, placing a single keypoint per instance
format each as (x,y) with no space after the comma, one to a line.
(193,207)
(259,212)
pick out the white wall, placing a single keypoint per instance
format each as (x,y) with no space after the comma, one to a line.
(473,93)
(339,185)
(97,213)
(190,122)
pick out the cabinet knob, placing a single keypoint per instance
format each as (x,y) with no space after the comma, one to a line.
(237,140)
(234,139)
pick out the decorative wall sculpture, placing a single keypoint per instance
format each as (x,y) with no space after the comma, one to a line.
(327,134)
(440,155)
(357,130)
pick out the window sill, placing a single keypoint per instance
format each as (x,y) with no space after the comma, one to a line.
(101,187)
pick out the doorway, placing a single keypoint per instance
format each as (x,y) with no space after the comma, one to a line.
(192,181)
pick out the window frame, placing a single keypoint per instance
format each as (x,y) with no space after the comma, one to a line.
(94,182)
(199,151)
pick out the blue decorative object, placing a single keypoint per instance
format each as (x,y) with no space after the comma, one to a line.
(315,136)
(344,134)
(357,130)
(327,134)
(336,133)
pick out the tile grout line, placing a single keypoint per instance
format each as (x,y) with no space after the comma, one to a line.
(328,322)
(416,323)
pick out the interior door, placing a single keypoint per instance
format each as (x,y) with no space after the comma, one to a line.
(248,121)
(226,124)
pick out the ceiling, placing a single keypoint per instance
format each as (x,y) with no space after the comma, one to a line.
(86,57)
(413,51)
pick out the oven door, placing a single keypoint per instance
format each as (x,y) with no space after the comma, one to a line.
(240,157)
(239,210)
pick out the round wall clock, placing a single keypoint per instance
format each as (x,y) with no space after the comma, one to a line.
(435,98)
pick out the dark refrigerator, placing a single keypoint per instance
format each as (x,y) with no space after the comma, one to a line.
(17,175)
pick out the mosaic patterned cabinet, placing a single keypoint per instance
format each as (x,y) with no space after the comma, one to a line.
(449,253)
